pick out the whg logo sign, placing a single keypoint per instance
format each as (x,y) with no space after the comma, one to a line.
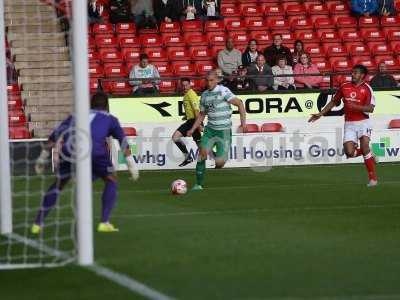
(384,148)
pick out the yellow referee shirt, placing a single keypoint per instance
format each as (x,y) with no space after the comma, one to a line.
(191,103)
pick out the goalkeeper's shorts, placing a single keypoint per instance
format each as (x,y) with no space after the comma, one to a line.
(101,167)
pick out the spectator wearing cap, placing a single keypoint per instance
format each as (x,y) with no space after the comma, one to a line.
(283,82)
(364,8)
(382,79)
(261,74)
(304,67)
(241,82)
(277,49)
(229,59)
(139,74)
(249,56)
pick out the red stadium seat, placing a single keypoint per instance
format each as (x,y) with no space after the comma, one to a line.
(254,24)
(326,82)
(170,27)
(274,10)
(287,37)
(179,55)
(314,50)
(106,42)
(321,22)
(14,103)
(125,29)
(111,56)
(336,8)
(103,29)
(91,42)
(372,35)
(367,61)
(350,35)
(167,86)
(173,40)
(214,25)
(195,39)
(262,38)
(129,42)
(150,40)
(335,50)
(198,84)
(216,38)
(271,127)
(397,4)
(131,55)
(364,22)
(395,46)
(307,36)
(157,55)
(164,69)
(93,85)
(329,38)
(345,22)
(340,63)
(277,23)
(129,131)
(250,128)
(294,9)
(13,89)
(202,67)
(230,11)
(389,60)
(301,24)
(93,57)
(318,9)
(16,118)
(236,25)
(112,71)
(322,64)
(358,50)
(240,39)
(251,10)
(380,49)
(394,124)
(393,34)
(198,54)
(390,21)
(194,25)
(216,49)
(19,132)
(120,87)
(183,69)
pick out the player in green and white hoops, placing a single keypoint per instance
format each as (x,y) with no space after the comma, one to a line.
(215,103)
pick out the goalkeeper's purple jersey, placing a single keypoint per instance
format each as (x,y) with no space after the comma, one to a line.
(102,126)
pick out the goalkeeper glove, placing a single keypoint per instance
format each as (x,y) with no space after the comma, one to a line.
(41,161)
(132,167)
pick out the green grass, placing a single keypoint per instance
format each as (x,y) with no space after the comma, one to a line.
(292,232)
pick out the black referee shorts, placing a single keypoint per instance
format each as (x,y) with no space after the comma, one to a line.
(185,127)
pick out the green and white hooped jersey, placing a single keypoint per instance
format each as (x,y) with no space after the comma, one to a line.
(215,104)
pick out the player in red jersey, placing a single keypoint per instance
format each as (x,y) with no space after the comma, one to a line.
(359,101)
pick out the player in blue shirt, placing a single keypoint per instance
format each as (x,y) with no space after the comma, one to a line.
(102,126)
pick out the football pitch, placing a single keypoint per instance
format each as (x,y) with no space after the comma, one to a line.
(291,233)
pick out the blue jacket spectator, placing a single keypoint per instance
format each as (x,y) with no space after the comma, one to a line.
(364,7)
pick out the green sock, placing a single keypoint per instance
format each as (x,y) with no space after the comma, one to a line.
(200,170)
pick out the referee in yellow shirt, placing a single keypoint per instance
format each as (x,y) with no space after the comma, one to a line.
(191,105)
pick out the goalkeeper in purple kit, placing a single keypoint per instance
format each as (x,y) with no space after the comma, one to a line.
(102,126)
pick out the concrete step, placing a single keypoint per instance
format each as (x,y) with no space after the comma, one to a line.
(23,2)
(46,72)
(38,43)
(32,50)
(41,28)
(45,57)
(23,8)
(30,15)
(49,109)
(47,86)
(42,132)
(45,117)
(31,22)
(48,101)
(42,64)
(22,80)
(53,36)
(34,95)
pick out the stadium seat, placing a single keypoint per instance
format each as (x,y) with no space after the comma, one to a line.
(173,40)
(314,50)
(365,22)
(392,34)
(19,132)
(91,42)
(183,69)
(129,42)
(380,49)
(367,61)
(167,86)
(329,37)
(335,50)
(111,56)
(389,60)
(216,49)
(262,38)
(198,84)
(93,85)
(125,29)
(96,71)
(301,24)
(321,22)
(150,40)
(322,64)
(254,24)
(350,35)
(251,10)
(214,25)
(394,124)
(326,82)
(202,67)
(278,23)
(216,38)
(395,46)
(390,21)
(156,55)
(340,63)
(106,42)
(170,27)
(239,39)
(112,71)
(178,55)
(195,39)
(16,118)
(105,29)
(287,37)
(337,8)
(358,50)
(14,103)
(93,57)
(236,25)
(250,128)
(230,11)
(318,9)
(372,35)
(307,36)
(129,131)
(163,68)
(273,10)
(195,25)
(271,127)
(345,22)
(131,55)
(13,89)
(120,87)
(294,9)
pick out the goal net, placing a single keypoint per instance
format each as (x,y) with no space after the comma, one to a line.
(41,75)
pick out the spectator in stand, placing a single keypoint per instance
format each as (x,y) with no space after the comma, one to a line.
(120,11)
(250,54)
(230,58)
(364,8)
(382,79)
(306,67)
(277,49)
(191,9)
(166,10)
(261,74)
(12,76)
(298,51)
(143,13)
(242,83)
(211,10)
(148,86)
(283,83)
(94,12)
(387,8)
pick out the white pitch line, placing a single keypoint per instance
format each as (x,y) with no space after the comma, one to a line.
(118,278)
(254,211)
(354,297)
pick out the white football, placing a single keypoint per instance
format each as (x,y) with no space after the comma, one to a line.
(179,187)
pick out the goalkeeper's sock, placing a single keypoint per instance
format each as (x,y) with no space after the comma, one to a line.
(109,198)
(200,172)
(181,147)
(49,200)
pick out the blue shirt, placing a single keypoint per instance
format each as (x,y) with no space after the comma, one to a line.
(102,126)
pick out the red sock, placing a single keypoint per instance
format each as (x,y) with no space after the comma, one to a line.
(369,162)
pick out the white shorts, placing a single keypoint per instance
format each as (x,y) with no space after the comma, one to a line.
(354,130)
